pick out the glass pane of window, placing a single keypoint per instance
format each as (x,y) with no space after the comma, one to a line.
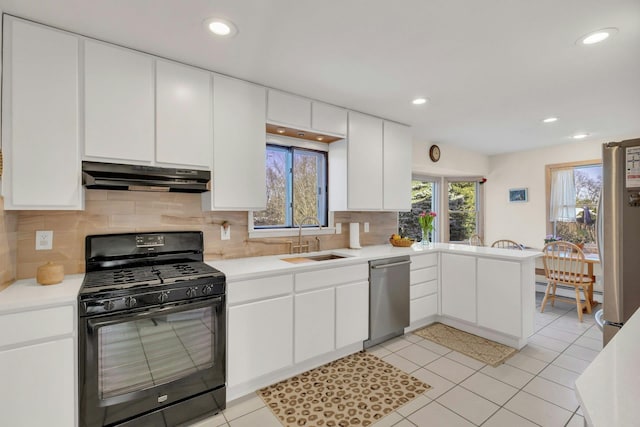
(422,200)
(136,355)
(277,194)
(588,182)
(462,210)
(308,185)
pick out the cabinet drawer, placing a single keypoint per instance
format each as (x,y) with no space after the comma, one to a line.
(333,276)
(423,261)
(424,275)
(254,289)
(423,307)
(33,325)
(423,289)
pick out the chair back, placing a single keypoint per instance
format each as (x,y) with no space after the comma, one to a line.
(475,240)
(506,244)
(565,263)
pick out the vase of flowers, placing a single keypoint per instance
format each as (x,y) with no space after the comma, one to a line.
(426,221)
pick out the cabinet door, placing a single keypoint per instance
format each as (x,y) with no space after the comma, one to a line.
(315,324)
(260,339)
(352,313)
(458,288)
(40,118)
(119,103)
(397,167)
(499,285)
(364,162)
(183,115)
(326,118)
(290,110)
(38,383)
(239,146)
(423,307)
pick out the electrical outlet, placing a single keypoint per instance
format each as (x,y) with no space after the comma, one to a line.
(366,227)
(338,228)
(44,240)
(225,232)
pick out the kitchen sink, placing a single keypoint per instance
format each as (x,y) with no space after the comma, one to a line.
(325,257)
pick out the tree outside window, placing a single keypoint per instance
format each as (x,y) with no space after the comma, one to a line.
(463,210)
(423,199)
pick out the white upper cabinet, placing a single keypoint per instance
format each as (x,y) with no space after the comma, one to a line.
(119,103)
(289,110)
(327,118)
(183,115)
(239,143)
(397,151)
(40,120)
(364,162)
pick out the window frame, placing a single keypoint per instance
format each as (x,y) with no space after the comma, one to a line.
(480,204)
(436,181)
(312,229)
(548,170)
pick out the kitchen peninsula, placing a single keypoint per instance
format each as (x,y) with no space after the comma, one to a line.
(285,318)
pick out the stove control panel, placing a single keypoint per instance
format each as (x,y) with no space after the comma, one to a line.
(129,299)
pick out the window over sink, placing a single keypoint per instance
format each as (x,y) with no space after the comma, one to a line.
(296,187)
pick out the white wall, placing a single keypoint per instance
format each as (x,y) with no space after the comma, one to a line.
(526,222)
(453,161)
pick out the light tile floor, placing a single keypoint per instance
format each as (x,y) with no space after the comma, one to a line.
(533,388)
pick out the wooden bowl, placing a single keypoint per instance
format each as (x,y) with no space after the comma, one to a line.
(50,273)
(401,243)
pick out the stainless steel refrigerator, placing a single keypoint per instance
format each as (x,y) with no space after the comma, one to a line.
(619,233)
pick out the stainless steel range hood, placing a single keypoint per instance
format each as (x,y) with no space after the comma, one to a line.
(113,176)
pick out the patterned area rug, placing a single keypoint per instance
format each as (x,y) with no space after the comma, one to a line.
(482,349)
(356,390)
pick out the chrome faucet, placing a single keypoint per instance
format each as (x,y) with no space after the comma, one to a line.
(299,246)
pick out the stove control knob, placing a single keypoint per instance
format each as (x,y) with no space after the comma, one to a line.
(130,302)
(163,296)
(192,292)
(207,289)
(108,305)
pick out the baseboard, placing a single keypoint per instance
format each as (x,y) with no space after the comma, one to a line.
(567,292)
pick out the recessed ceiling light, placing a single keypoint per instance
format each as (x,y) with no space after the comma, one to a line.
(319,138)
(580,135)
(550,120)
(281,130)
(221,27)
(597,36)
(419,101)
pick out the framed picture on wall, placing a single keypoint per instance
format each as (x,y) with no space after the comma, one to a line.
(518,195)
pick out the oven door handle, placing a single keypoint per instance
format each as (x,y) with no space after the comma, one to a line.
(141,315)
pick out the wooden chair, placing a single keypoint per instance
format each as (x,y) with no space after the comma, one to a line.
(564,264)
(506,244)
(475,240)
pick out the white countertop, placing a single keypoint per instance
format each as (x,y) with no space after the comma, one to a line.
(609,388)
(247,268)
(27,293)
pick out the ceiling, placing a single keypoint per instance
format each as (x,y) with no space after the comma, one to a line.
(492,69)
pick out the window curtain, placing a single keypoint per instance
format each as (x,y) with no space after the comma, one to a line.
(562,202)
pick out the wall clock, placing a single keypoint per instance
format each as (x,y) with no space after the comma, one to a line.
(434,153)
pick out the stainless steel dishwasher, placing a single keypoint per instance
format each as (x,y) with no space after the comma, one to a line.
(388,299)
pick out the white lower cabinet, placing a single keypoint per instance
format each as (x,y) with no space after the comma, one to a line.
(45,373)
(423,292)
(458,274)
(315,323)
(260,339)
(498,283)
(352,313)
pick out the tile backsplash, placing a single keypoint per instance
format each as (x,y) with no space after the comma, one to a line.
(8,245)
(123,212)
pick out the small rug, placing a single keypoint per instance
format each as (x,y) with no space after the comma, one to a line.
(482,349)
(357,390)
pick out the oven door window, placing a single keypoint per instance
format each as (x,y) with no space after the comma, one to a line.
(143,353)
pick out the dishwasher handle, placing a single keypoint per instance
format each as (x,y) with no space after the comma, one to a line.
(393,264)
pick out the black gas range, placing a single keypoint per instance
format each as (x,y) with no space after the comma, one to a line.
(152,331)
